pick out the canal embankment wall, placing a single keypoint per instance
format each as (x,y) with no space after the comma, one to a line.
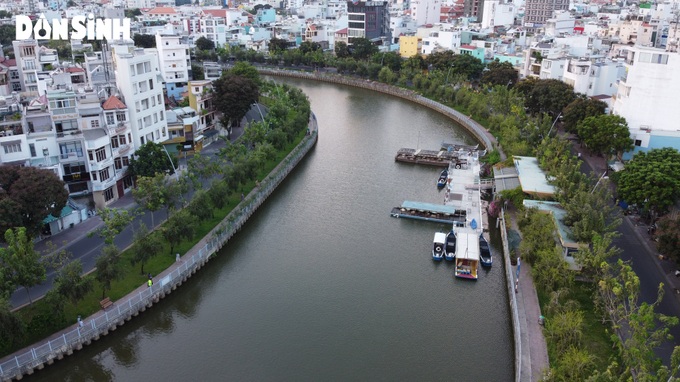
(523,369)
(92,328)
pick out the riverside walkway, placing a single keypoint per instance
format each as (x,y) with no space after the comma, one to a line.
(101,323)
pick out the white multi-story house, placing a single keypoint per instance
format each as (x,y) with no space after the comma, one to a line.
(439,37)
(201,99)
(174,62)
(425,11)
(141,86)
(32,60)
(117,122)
(214,29)
(592,77)
(646,97)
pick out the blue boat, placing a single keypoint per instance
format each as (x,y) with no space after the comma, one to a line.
(484,252)
(443,177)
(450,247)
(438,247)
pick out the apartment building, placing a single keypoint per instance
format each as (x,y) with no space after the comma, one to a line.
(537,12)
(141,86)
(425,11)
(174,62)
(31,61)
(646,97)
(368,19)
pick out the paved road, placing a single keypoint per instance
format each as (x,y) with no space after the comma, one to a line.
(86,247)
(637,248)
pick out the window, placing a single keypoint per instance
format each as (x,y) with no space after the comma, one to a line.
(638,142)
(104,174)
(162,113)
(141,139)
(159,99)
(100,153)
(108,194)
(147,121)
(74,168)
(71,149)
(151,83)
(31,147)
(121,138)
(11,147)
(139,124)
(155,118)
(93,175)
(121,117)
(114,141)
(132,70)
(153,101)
(147,67)
(94,123)
(118,163)
(110,120)
(126,161)
(127,182)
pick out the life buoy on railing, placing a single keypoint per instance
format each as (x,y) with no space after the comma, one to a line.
(438,249)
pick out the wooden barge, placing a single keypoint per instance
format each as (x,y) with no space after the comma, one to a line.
(429,157)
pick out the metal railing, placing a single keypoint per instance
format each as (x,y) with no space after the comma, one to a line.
(513,298)
(125,308)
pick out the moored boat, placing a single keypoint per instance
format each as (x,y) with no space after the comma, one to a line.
(438,246)
(443,177)
(484,252)
(450,248)
(467,255)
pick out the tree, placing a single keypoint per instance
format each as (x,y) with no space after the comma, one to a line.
(651,179)
(638,327)
(579,109)
(605,134)
(341,50)
(8,33)
(11,328)
(144,40)
(669,236)
(234,95)
(308,46)
(147,245)
(546,96)
(150,193)
(182,225)
(197,72)
(21,262)
(70,283)
(362,48)
(203,43)
(499,73)
(277,45)
(441,60)
(131,13)
(391,60)
(108,268)
(200,168)
(115,221)
(6,15)
(33,194)
(151,159)
(465,64)
(245,70)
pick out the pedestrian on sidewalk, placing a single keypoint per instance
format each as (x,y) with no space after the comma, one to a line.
(149,283)
(150,277)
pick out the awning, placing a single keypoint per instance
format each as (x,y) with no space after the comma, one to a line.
(66,211)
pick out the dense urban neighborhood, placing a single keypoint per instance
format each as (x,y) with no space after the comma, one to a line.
(576,100)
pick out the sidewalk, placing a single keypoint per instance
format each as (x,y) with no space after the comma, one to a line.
(534,352)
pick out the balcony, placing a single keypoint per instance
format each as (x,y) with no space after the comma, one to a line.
(121,150)
(69,134)
(96,166)
(72,156)
(101,186)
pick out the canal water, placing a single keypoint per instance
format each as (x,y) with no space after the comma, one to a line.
(322,284)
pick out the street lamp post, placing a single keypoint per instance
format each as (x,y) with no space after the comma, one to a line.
(171,163)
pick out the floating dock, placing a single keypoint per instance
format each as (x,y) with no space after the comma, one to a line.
(436,213)
(428,157)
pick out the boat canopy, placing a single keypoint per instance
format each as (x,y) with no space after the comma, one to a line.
(467,246)
(440,237)
(430,207)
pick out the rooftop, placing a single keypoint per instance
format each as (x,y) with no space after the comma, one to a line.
(532,179)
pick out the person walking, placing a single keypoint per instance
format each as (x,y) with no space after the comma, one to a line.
(149,283)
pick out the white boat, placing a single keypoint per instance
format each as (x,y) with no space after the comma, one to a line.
(438,246)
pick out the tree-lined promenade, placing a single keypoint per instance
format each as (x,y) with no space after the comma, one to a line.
(217,184)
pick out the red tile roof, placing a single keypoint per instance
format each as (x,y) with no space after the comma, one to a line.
(74,70)
(162,10)
(215,12)
(113,103)
(9,62)
(468,47)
